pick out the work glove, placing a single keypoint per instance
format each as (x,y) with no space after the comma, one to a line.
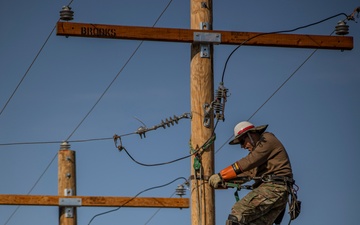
(215,180)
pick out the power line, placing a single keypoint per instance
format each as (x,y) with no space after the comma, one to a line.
(32,188)
(148,189)
(157,211)
(117,75)
(272,95)
(295,71)
(278,89)
(85,115)
(156,164)
(58,142)
(276,32)
(27,71)
(7,102)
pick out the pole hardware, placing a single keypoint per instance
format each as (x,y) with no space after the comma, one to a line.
(69,210)
(207,120)
(75,202)
(205,39)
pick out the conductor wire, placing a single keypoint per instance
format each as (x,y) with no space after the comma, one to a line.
(152,188)
(117,75)
(156,164)
(275,32)
(27,71)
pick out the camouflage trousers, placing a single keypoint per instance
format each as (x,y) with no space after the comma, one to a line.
(262,205)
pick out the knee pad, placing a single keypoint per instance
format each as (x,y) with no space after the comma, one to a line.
(232,220)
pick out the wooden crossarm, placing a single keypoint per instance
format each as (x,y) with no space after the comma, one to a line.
(187,36)
(97,201)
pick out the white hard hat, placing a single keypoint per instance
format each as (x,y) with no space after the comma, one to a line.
(242,128)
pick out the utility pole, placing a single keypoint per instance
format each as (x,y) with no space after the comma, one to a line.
(201,91)
(68,201)
(67,183)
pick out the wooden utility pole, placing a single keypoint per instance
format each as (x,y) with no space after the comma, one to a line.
(67,183)
(201,92)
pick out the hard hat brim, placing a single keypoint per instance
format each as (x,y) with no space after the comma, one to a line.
(261,129)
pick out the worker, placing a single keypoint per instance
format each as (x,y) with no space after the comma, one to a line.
(268,160)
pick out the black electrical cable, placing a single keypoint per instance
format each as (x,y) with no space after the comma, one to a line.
(222,79)
(275,32)
(155,164)
(152,188)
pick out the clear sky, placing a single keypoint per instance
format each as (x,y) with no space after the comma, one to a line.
(315,114)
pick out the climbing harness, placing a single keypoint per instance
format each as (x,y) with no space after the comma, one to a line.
(293,202)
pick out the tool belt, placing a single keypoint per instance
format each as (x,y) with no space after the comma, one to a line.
(292,188)
(278,179)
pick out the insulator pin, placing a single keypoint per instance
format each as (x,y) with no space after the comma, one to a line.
(66,13)
(180,190)
(341,28)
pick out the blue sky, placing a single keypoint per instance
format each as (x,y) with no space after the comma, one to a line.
(315,114)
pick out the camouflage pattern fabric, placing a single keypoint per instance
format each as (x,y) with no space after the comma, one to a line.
(262,205)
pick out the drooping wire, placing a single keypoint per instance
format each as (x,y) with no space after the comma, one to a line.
(295,71)
(117,75)
(272,95)
(274,32)
(152,188)
(120,147)
(155,164)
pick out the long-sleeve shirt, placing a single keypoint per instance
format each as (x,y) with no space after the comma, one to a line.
(269,157)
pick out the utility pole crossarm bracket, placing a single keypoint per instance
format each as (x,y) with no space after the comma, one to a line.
(187,36)
(70,202)
(206,37)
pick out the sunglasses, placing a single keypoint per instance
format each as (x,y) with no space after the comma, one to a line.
(242,140)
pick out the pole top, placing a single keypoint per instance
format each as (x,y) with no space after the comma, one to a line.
(65,146)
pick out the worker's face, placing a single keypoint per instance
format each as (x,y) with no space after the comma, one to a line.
(245,143)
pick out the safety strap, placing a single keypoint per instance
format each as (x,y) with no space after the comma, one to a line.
(294,203)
